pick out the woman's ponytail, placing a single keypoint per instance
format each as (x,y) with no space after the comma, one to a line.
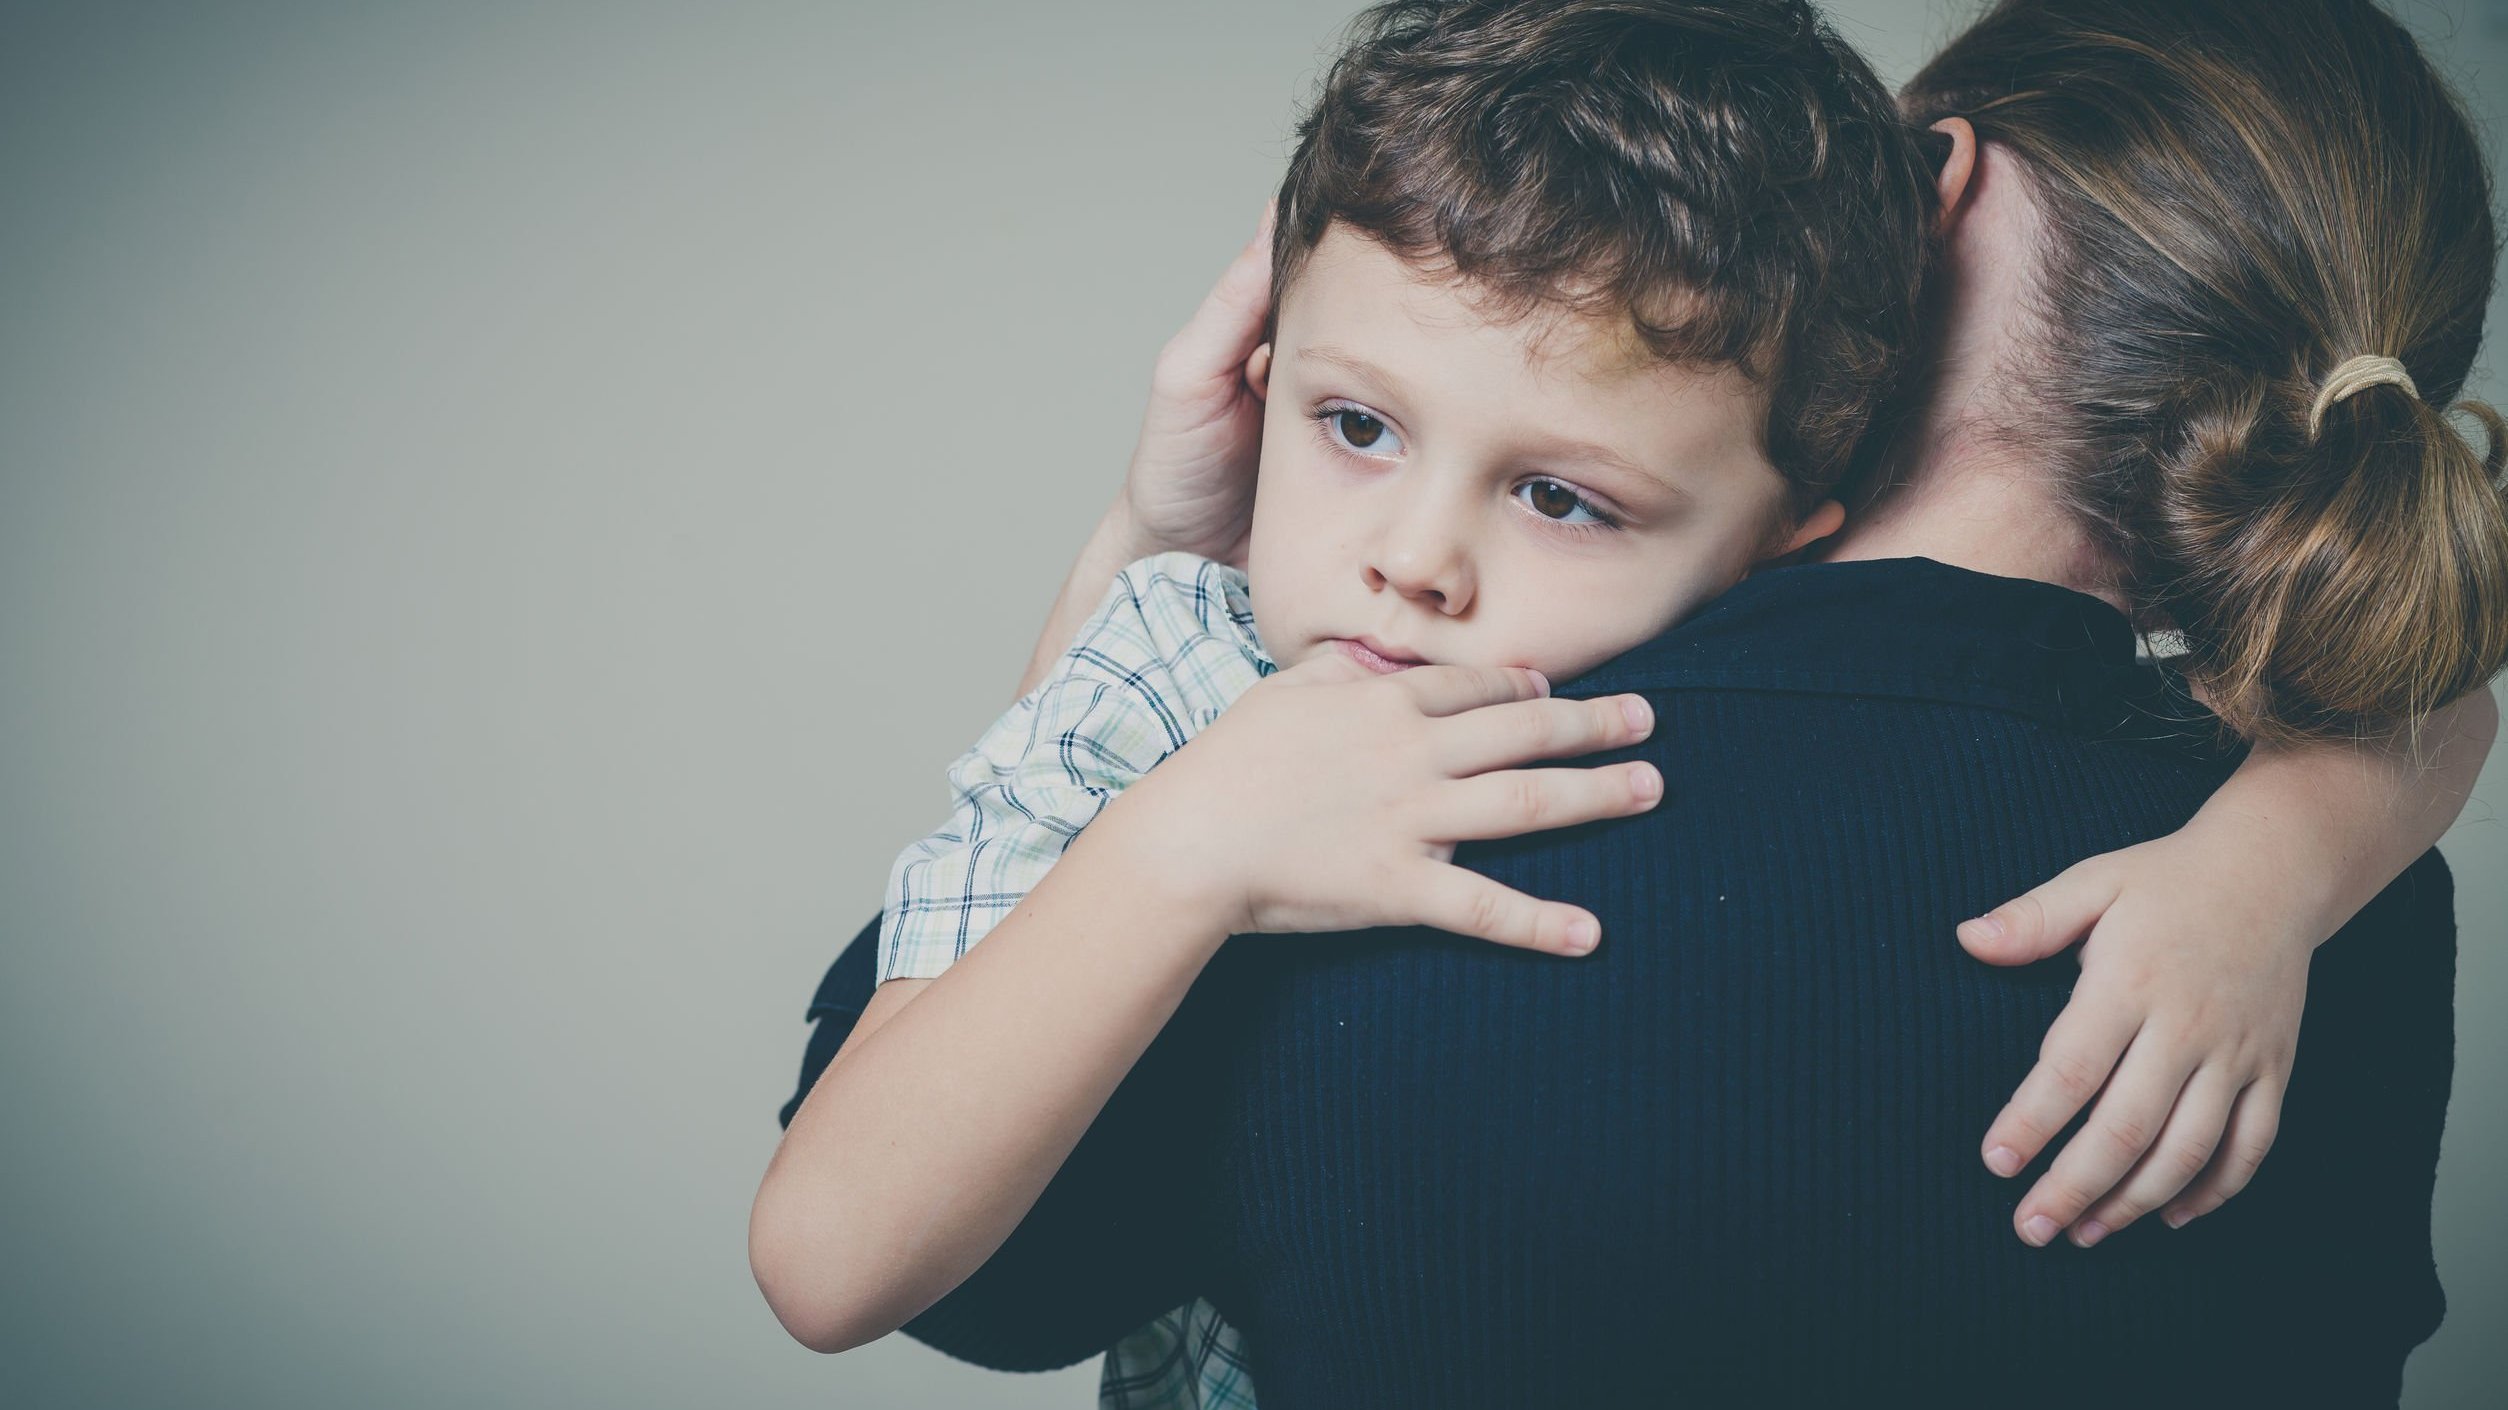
(2268,252)
(2343,568)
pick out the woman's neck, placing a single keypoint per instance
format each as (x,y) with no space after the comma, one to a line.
(1964,499)
(1959,493)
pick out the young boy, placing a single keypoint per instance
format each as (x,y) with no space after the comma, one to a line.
(1581,312)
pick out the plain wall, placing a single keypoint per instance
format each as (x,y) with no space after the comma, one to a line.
(505,514)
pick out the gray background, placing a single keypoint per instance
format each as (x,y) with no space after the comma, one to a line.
(505,514)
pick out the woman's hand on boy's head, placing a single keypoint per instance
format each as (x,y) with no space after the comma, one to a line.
(1191,485)
(2184,1025)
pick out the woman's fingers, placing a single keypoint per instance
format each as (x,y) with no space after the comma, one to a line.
(2182,1152)
(1477,741)
(2080,1049)
(1468,903)
(2128,1118)
(1512,802)
(1209,352)
(2253,1122)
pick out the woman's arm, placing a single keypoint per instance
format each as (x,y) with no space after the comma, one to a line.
(2195,970)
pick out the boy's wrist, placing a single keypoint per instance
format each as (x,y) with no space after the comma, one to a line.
(1167,868)
(2309,875)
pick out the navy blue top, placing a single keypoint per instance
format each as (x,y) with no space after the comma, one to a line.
(1731,1157)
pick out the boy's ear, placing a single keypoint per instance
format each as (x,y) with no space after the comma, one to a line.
(1818,524)
(1258,372)
(1952,183)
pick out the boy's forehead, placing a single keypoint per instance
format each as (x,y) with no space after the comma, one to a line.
(1352,284)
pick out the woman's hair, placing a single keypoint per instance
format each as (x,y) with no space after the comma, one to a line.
(1727,175)
(2243,201)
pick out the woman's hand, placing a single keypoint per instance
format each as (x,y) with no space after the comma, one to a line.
(1330,798)
(2194,975)
(1191,485)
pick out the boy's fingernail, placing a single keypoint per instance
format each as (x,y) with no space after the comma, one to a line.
(2177,1219)
(2003,1161)
(1583,933)
(2038,1230)
(2090,1232)
(1641,716)
(1988,927)
(1540,681)
(1646,782)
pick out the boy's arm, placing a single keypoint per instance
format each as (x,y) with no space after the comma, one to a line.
(1034,780)
(851,1235)
(2358,814)
(1160,657)
(2197,957)
(1111,1240)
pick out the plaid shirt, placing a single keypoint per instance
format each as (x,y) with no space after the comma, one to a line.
(1172,646)
(1187,1359)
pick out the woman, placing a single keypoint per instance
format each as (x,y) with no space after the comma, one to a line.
(2212,274)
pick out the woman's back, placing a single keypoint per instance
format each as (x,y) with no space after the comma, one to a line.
(1733,1153)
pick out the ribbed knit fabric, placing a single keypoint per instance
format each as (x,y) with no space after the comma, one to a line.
(1731,1158)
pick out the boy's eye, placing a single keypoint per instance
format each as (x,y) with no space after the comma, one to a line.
(1550,495)
(1356,430)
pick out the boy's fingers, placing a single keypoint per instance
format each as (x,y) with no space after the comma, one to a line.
(2045,920)
(2080,1050)
(2183,1152)
(2253,1121)
(1451,690)
(1477,741)
(1513,802)
(2129,1115)
(1467,903)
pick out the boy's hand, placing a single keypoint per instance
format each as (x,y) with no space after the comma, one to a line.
(2194,973)
(1191,485)
(1330,798)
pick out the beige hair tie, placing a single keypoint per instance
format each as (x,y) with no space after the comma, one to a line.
(2357,375)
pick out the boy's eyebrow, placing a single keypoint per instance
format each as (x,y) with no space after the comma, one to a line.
(1611,459)
(1351,363)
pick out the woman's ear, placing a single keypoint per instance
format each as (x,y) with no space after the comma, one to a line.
(1952,183)
(1258,372)
(1817,525)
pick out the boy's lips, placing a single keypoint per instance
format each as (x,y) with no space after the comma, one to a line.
(1375,655)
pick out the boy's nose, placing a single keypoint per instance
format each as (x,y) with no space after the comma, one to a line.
(1424,552)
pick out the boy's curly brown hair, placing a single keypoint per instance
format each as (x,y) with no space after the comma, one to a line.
(1728,175)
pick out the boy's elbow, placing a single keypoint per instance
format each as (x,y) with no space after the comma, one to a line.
(816,1297)
(831,1337)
